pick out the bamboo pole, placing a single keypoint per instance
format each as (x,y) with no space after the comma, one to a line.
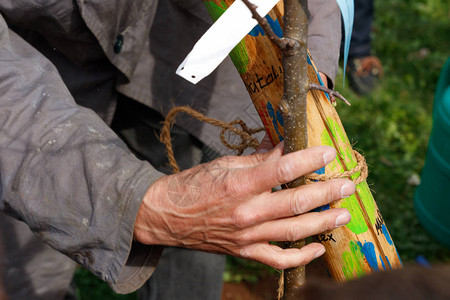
(362,246)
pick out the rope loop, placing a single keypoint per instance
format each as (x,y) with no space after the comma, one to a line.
(247,141)
(361,166)
(245,133)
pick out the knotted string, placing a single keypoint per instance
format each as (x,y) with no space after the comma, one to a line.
(245,133)
(247,141)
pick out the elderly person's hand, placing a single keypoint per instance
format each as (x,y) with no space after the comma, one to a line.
(227,206)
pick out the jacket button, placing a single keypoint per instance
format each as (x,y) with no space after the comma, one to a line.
(119,44)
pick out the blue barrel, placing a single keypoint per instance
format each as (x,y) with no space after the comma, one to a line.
(432,197)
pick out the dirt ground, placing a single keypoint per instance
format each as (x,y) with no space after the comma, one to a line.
(266,288)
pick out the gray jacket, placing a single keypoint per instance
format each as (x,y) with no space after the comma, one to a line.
(62,170)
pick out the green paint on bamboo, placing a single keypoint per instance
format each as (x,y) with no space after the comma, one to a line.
(335,165)
(326,139)
(369,203)
(238,55)
(357,224)
(352,261)
(341,139)
(215,10)
(362,189)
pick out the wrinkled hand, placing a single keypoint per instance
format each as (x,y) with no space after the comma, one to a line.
(226,206)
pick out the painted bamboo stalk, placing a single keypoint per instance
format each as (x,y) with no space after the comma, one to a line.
(362,246)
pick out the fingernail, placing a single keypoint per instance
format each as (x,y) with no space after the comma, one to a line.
(343,219)
(320,252)
(347,189)
(329,156)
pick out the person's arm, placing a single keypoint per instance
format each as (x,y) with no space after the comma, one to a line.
(65,173)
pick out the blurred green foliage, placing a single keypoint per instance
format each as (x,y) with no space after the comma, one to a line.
(391,127)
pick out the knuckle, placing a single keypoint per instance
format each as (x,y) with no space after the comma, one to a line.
(282,173)
(245,252)
(243,218)
(293,233)
(302,261)
(312,162)
(335,189)
(224,161)
(328,221)
(241,238)
(259,157)
(279,264)
(331,192)
(299,203)
(286,263)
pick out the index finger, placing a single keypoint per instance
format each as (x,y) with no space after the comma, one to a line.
(271,173)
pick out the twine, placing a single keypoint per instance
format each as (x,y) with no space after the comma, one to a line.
(361,166)
(245,133)
(247,141)
(280,290)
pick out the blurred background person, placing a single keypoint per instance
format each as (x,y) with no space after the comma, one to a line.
(363,70)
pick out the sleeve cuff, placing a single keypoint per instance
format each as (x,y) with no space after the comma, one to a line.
(137,261)
(139,267)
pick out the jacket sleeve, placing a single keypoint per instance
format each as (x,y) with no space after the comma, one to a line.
(324,36)
(66,174)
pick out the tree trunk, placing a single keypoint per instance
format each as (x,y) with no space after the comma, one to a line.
(293,108)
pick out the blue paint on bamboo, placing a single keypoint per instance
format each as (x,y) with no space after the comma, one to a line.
(368,249)
(382,263)
(389,263)
(320,171)
(322,208)
(276,117)
(318,76)
(399,259)
(274,24)
(387,235)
